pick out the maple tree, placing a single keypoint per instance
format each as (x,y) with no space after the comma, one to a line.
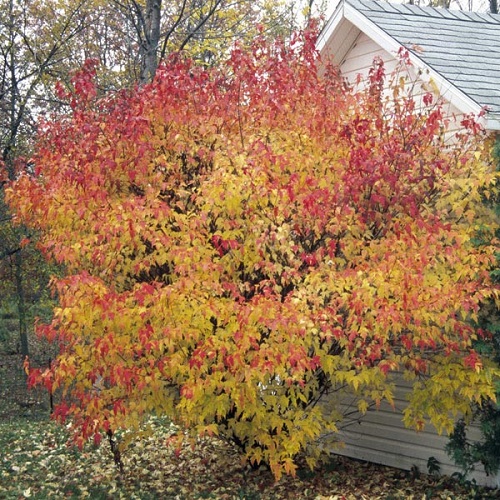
(243,242)
(43,41)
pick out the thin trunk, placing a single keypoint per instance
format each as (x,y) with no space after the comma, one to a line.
(494,6)
(8,150)
(21,305)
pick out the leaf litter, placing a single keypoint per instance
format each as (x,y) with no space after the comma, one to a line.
(37,463)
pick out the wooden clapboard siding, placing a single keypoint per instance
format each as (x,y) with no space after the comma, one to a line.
(359,59)
(379,436)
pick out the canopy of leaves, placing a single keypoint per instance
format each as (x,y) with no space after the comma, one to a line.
(241,242)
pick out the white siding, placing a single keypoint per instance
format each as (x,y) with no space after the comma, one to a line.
(379,436)
(359,58)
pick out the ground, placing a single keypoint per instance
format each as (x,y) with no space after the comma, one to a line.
(35,462)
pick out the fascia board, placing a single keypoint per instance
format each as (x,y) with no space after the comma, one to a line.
(330,28)
(333,25)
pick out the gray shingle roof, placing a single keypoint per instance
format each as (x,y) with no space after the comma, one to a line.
(464,47)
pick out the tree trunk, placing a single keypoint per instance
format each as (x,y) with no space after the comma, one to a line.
(8,157)
(494,6)
(151,40)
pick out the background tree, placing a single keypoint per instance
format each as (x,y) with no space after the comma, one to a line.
(470,5)
(241,242)
(29,52)
(130,37)
(206,30)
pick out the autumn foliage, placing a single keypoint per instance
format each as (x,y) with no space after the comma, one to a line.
(241,243)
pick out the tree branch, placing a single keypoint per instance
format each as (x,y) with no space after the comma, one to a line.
(200,24)
(172,29)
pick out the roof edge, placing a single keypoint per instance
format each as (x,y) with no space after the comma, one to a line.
(330,26)
(492,122)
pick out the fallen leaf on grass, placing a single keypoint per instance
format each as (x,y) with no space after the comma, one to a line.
(212,469)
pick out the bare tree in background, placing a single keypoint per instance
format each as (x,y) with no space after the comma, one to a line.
(207,29)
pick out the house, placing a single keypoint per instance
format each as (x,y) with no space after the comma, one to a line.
(458,51)
(456,54)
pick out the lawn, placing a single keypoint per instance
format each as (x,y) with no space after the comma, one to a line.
(37,463)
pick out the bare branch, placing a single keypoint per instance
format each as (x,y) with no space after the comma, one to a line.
(172,29)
